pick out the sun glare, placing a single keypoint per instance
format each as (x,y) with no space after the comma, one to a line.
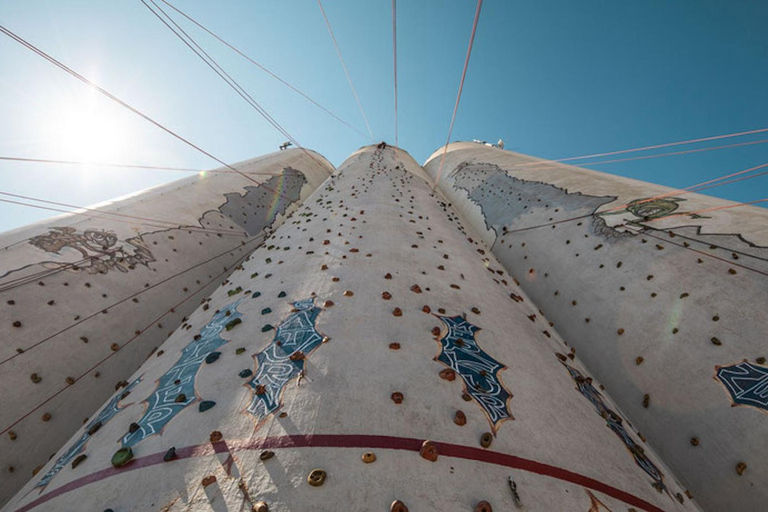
(88,134)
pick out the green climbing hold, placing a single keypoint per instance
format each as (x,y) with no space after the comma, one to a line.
(232,323)
(235,291)
(206,404)
(212,357)
(254,275)
(256,295)
(245,373)
(281,295)
(170,454)
(266,311)
(267,328)
(240,350)
(122,457)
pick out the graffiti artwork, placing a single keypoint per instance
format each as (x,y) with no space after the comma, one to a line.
(283,359)
(106,414)
(615,423)
(176,388)
(479,371)
(746,383)
(654,208)
(99,248)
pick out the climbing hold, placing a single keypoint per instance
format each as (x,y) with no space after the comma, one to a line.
(46,416)
(695,441)
(208,480)
(639,360)
(428,451)
(715,341)
(397,312)
(348,293)
(760,360)
(466,397)
(297,356)
(476,311)
(316,477)
(115,347)
(460,418)
(741,467)
(281,295)
(397,397)
(12,435)
(266,455)
(486,440)
(205,405)
(483,506)
(181,398)
(620,331)
(260,506)
(215,436)
(416,288)
(80,458)
(369,457)
(35,378)
(212,357)
(261,389)
(398,506)
(122,457)
(232,323)
(267,328)
(448,374)
(426,309)
(245,373)
(256,295)
(386,295)
(435,331)
(133,427)
(170,454)
(646,400)
(394,346)
(388,276)
(266,311)
(240,350)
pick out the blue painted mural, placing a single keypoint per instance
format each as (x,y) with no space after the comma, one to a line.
(615,423)
(283,359)
(480,372)
(106,414)
(176,388)
(747,384)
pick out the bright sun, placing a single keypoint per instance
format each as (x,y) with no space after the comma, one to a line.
(86,133)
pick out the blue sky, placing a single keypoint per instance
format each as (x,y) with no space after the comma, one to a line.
(552,78)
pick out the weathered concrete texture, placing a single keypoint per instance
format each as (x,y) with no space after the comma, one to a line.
(654,298)
(368,322)
(84,300)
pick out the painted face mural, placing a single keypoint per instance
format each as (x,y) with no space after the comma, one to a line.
(283,359)
(99,249)
(479,371)
(746,383)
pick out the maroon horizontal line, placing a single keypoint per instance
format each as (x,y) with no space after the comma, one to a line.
(354,441)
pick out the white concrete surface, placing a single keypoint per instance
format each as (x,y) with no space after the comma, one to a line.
(383,258)
(84,300)
(653,307)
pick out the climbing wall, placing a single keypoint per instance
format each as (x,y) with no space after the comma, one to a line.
(84,299)
(661,292)
(370,355)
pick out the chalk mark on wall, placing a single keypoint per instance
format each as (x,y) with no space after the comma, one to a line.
(176,388)
(283,359)
(746,383)
(479,371)
(106,414)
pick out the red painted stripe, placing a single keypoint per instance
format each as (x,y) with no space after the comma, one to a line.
(354,441)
